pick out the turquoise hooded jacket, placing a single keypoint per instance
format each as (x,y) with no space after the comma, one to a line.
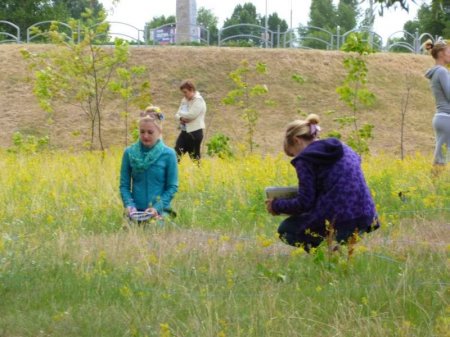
(155,187)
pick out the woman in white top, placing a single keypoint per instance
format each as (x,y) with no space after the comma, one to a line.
(191,115)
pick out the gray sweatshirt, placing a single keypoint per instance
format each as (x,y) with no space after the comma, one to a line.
(439,78)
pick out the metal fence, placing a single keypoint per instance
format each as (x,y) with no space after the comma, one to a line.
(306,37)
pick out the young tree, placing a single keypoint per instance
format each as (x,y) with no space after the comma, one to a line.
(207,19)
(133,87)
(354,91)
(247,95)
(78,73)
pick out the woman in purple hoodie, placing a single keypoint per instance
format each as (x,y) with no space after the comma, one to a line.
(332,189)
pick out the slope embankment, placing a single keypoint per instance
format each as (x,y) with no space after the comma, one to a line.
(389,76)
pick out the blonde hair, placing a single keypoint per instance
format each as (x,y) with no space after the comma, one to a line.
(307,129)
(437,48)
(152,114)
(427,45)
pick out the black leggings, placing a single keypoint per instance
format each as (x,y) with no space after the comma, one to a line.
(189,142)
(297,231)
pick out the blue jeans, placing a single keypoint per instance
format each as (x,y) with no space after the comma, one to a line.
(297,231)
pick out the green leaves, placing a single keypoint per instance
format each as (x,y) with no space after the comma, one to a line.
(354,92)
(80,72)
(247,96)
(270,274)
(219,145)
(355,43)
(298,78)
(261,68)
(259,90)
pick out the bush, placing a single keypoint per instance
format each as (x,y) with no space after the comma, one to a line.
(219,145)
(28,143)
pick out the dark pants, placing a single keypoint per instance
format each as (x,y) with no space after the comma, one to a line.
(297,231)
(189,142)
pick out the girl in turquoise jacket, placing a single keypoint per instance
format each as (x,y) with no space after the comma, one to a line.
(149,172)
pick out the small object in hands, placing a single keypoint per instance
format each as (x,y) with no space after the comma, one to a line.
(402,196)
(140,216)
(274,192)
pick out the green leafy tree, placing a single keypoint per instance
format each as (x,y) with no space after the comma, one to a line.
(247,95)
(25,13)
(325,15)
(442,6)
(274,22)
(28,12)
(403,3)
(243,14)
(75,9)
(133,87)
(322,15)
(354,92)
(347,14)
(430,19)
(159,21)
(207,19)
(78,73)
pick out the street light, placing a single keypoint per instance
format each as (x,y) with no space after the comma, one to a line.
(266,28)
(291,15)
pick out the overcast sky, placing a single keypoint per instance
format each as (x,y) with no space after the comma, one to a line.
(138,12)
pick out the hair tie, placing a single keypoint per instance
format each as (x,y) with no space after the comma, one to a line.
(154,114)
(314,129)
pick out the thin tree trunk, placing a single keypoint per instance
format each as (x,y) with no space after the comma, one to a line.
(402,130)
(126,123)
(91,146)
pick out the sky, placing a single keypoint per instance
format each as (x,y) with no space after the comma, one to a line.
(138,12)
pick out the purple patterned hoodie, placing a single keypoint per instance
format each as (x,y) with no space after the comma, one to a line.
(331,186)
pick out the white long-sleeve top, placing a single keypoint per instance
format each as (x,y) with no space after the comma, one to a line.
(194,110)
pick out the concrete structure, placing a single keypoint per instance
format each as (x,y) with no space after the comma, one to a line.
(187,30)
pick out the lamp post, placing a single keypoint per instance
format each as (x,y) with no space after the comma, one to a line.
(291,16)
(266,28)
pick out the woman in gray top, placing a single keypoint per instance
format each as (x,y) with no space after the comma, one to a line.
(439,77)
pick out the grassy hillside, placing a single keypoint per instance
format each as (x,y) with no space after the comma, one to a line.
(209,68)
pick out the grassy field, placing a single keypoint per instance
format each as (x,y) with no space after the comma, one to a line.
(70,265)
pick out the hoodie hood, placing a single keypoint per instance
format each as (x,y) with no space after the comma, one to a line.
(322,152)
(430,72)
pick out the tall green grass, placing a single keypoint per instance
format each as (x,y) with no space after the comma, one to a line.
(69,268)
